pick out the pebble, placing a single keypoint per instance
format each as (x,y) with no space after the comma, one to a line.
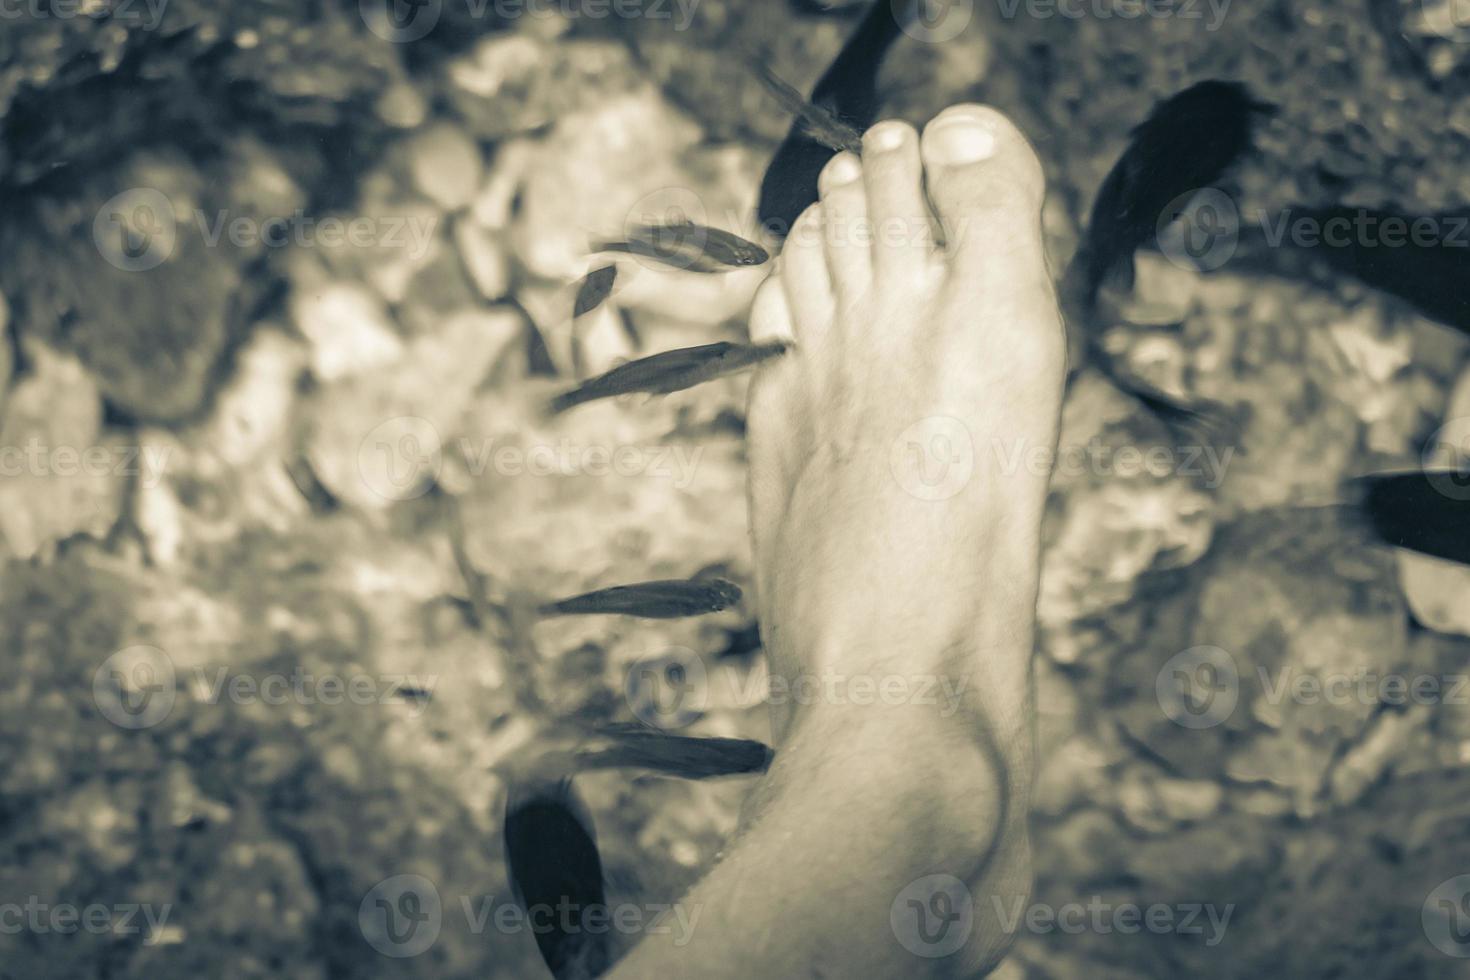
(61,476)
(484,258)
(1438,591)
(381,436)
(253,409)
(348,328)
(445,165)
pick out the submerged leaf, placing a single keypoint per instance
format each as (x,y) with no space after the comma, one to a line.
(596,286)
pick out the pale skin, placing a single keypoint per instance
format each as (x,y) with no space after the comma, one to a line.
(860,571)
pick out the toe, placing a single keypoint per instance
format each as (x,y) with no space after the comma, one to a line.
(893,174)
(804,277)
(847,234)
(983,178)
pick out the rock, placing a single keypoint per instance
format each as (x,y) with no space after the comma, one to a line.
(1163,291)
(252,410)
(599,169)
(7,358)
(601,340)
(148,324)
(381,436)
(484,258)
(348,328)
(1119,507)
(61,476)
(1389,737)
(402,107)
(445,165)
(1075,773)
(438,289)
(496,198)
(515,82)
(1438,591)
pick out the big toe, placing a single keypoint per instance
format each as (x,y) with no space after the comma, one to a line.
(984,180)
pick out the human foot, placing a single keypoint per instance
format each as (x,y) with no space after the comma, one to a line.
(888,538)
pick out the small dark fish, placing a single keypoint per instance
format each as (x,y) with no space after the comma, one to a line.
(683,756)
(673,599)
(668,372)
(1188,142)
(417,695)
(596,286)
(844,103)
(691,247)
(1427,511)
(553,859)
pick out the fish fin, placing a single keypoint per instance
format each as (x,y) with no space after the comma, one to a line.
(553,861)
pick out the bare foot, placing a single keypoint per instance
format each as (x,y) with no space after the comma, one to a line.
(892,546)
(889,542)
(886,534)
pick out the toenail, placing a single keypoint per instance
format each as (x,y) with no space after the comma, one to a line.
(843,169)
(885,136)
(963,140)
